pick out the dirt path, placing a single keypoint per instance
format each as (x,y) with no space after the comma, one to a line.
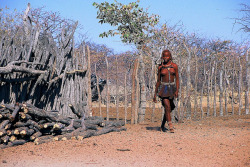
(211,142)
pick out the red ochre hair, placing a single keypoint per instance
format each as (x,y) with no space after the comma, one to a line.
(167,51)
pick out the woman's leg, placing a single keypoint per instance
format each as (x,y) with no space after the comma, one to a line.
(167,114)
(167,108)
(163,123)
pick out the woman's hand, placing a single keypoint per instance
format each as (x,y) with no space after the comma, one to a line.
(176,94)
(154,99)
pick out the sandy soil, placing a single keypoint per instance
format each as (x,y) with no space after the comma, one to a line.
(221,141)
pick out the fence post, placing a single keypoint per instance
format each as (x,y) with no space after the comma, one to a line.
(107,90)
(125,98)
(89,84)
(117,90)
(239,88)
(215,88)
(99,94)
(247,82)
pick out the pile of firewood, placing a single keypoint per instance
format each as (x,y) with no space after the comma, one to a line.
(21,123)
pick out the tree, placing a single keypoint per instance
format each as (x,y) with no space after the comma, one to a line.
(133,24)
(244,20)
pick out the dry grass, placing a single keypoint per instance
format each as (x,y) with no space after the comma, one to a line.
(157,115)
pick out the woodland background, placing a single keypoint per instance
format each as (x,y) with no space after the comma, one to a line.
(43,63)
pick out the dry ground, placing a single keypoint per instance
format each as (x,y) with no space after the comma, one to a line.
(221,141)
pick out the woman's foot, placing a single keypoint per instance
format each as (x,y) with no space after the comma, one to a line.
(171,128)
(163,129)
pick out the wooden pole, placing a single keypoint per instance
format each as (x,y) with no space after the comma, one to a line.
(215,88)
(221,89)
(247,83)
(107,90)
(188,92)
(180,102)
(232,101)
(208,89)
(117,91)
(125,98)
(99,93)
(195,87)
(226,93)
(153,77)
(89,113)
(202,88)
(239,87)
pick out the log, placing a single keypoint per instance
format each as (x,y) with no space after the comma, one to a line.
(5,139)
(35,135)
(12,138)
(109,129)
(18,131)
(34,124)
(20,124)
(3,124)
(18,142)
(2,132)
(27,132)
(77,113)
(85,134)
(10,132)
(25,117)
(114,123)
(7,126)
(49,125)
(41,114)
(43,139)
(58,126)
(15,112)
(10,107)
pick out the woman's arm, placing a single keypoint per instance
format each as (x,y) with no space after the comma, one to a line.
(157,83)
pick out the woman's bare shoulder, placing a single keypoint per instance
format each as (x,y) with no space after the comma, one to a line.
(174,65)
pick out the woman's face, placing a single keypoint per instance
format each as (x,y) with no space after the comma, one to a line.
(166,57)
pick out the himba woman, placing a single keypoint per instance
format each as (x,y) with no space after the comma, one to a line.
(168,85)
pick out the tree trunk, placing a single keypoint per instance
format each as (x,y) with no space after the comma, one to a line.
(142,97)
(137,94)
(133,92)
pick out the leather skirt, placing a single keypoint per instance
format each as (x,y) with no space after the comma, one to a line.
(167,91)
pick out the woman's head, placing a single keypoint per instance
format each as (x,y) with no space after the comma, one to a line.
(166,55)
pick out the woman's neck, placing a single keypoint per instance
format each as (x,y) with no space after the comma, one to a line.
(167,63)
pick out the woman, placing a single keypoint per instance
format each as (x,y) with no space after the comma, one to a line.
(168,81)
